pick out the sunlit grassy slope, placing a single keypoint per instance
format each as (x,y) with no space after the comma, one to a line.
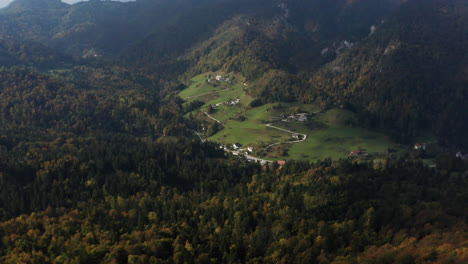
(333,133)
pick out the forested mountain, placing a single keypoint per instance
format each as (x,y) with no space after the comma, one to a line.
(102,162)
(107,27)
(19,6)
(155,28)
(410,75)
(402,68)
(261,34)
(28,53)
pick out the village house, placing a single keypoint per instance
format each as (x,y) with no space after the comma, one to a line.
(250,149)
(232,102)
(296,136)
(461,156)
(220,78)
(281,162)
(216,105)
(418,146)
(356,153)
(301,117)
(236,146)
(284,118)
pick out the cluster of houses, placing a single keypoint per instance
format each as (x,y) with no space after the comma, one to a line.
(230,102)
(297,136)
(237,150)
(301,117)
(216,105)
(419,146)
(219,78)
(459,155)
(238,147)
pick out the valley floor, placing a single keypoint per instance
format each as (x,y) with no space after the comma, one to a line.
(281,130)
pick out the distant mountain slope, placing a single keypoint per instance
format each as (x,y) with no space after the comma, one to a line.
(400,64)
(30,5)
(187,29)
(27,53)
(106,27)
(31,20)
(148,32)
(410,75)
(298,30)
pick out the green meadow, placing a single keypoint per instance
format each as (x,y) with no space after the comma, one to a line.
(331,134)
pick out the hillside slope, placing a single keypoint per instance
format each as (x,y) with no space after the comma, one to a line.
(106,27)
(401,65)
(410,75)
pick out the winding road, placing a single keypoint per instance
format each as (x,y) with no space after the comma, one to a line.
(255,159)
(304,137)
(249,157)
(208,115)
(237,152)
(199,136)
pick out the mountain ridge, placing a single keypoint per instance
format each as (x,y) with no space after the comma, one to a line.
(289,50)
(29,5)
(417,63)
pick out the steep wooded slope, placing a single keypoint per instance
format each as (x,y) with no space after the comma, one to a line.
(410,75)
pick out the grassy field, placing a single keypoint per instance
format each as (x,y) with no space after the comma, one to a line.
(217,92)
(337,143)
(198,87)
(328,134)
(248,134)
(333,133)
(252,131)
(335,137)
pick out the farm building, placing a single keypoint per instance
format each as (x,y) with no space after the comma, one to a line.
(356,153)
(418,146)
(236,145)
